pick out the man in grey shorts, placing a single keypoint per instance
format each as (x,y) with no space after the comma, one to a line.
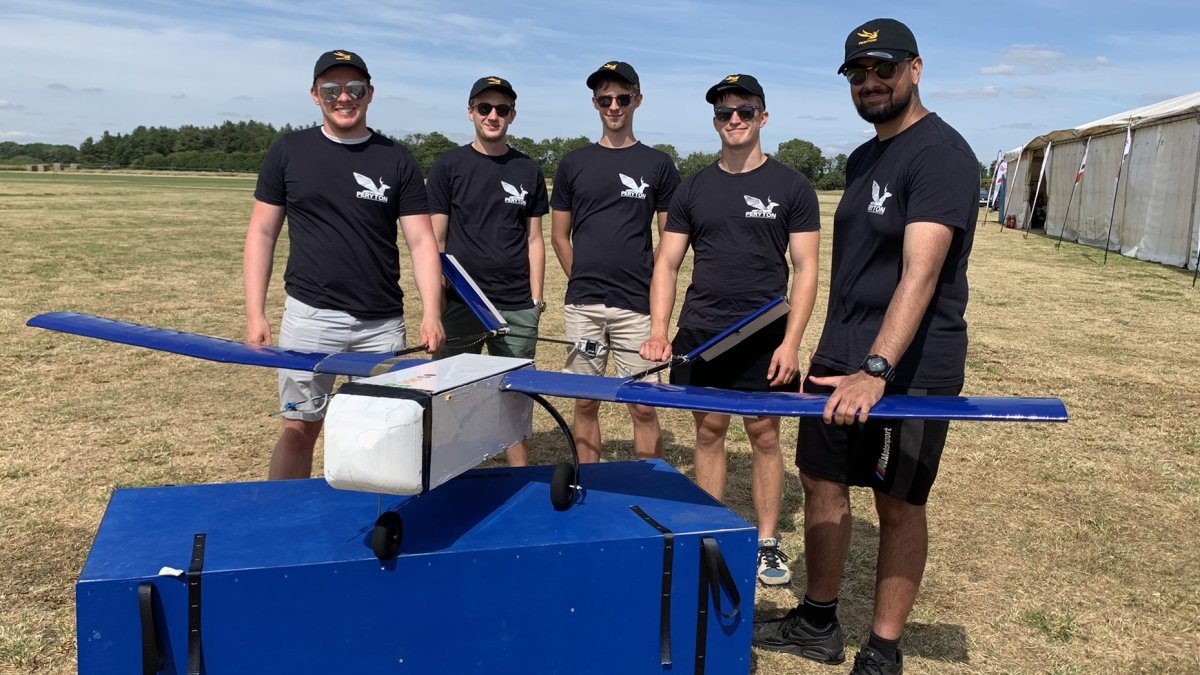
(606,197)
(343,189)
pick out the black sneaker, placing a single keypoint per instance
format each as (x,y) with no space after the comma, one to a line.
(870,662)
(791,634)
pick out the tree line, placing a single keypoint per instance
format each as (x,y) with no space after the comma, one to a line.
(241,146)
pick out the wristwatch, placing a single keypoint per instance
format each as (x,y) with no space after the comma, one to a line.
(539,305)
(877,366)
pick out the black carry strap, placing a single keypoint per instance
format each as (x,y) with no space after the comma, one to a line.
(664,617)
(714,576)
(152,653)
(193,584)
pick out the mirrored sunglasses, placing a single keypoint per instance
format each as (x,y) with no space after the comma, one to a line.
(330,91)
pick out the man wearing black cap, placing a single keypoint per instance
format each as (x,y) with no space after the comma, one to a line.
(744,216)
(605,197)
(342,189)
(487,201)
(902,235)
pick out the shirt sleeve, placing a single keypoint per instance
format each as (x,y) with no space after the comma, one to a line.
(561,199)
(668,181)
(270,188)
(805,212)
(412,199)
(943,187)
(540,205)
(438,187)
(679,216)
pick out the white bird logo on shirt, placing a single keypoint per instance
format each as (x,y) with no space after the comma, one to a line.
(369,184)
(633,184)
(875,198)
(757,204)
(519,194)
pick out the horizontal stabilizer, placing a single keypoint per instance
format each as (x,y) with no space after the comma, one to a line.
(779,404)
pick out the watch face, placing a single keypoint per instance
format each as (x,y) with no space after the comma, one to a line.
(876,365)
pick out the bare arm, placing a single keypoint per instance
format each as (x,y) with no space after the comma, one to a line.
(671,249)
(537,258)
(427,272)
(560,239)
(258,257)
(662,227)
(803,249)
(441,223)
(925,248)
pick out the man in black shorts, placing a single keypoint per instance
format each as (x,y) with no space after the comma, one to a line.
(902,234)
(487,201)
(342,188)
(605,197)
(744,216)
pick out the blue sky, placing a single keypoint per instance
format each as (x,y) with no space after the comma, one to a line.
(999,72)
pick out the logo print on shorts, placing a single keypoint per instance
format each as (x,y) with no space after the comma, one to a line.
(373,193)
(635,190)
(761,210)
(876,206)
(515,196)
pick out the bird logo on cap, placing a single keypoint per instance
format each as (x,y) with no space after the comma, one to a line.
(868,36)
(733,78)
(612,65)
(495,80)
(342,56)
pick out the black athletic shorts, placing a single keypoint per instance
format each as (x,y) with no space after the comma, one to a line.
(896,457)
(744,367)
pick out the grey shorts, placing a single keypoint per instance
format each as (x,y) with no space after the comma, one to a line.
(326,330)
(460,323)
(623,330)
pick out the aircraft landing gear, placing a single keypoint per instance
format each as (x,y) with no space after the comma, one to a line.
(564,484)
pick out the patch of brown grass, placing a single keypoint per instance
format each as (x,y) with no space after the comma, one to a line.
(1055,548)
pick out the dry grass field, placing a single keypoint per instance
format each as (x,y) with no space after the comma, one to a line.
(1056,549)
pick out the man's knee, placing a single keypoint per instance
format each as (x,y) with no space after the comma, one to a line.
(710,429)
(763,434)
(642,414)
(894,512)
(586,408)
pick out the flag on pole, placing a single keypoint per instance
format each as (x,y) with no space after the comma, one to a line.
(1125,152)
(1001,173)
(1083,162)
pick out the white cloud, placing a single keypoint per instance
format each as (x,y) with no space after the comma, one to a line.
(9,105)
(15,134)
(969,94)
(1027,92)
(1001,69)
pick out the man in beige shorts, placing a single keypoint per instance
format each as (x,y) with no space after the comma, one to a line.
(606,196)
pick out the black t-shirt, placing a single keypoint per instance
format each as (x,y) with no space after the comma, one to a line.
(490,201)
(739,225)
(342,202)
(927,173)
(613,196)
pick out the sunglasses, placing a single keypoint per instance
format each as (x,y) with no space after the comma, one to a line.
(884,70)
(605,101)
(485,109)
(330,91)
(745,112)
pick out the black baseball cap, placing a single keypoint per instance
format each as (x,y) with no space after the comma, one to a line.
(492,82)
(340,57)
(883,39)
(613,70)
(747,83)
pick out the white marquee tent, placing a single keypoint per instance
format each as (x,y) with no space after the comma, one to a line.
(1156,210)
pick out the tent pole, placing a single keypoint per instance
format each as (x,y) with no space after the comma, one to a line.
(1116,186)
(1009,195)
(1192,219)
(1070,199)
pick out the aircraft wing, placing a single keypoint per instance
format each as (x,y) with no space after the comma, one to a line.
(971,408)
(218,349)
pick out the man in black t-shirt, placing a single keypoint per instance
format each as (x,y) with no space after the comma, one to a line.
(342,189)
(605,197)
(487,201)
(745,217)
(902,236)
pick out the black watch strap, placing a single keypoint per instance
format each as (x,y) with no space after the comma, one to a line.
(876,365)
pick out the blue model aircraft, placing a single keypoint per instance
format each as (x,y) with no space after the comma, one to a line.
(470,397)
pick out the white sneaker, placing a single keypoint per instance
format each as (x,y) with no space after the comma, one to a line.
(772,563)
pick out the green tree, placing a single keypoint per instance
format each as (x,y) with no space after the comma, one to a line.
(802,156)
(670,150)
(696,161)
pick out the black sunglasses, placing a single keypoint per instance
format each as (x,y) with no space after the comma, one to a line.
(745,112)
(330,91)
(605,101)
(486,109)
(884,70)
